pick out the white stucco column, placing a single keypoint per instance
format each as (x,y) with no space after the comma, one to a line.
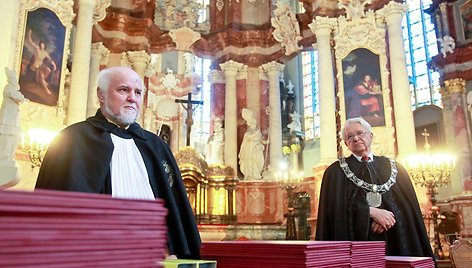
(90,11)
(8,27)
(139,61)
(99,56)
(404,126)
(322,28)
(231,69)
(273,70)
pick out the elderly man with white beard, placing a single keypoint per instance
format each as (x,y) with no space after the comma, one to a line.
(110,153)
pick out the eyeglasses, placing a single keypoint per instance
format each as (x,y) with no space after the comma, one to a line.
(359,134)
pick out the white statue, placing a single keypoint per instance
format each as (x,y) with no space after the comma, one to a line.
(216,143)
(447,44)
(286,28)
(251,153)
(295,125)
(10,117)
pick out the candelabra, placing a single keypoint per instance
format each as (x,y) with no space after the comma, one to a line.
(431,171)
(289,178)
(35,144)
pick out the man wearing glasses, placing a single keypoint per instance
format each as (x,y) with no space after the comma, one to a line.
(370,198)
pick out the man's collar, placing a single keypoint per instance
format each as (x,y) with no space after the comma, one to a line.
(370,155)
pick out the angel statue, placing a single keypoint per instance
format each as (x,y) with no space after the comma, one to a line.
(447,44)
(251,152)
(10,116)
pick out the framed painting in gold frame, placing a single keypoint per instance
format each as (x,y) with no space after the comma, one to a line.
(363,87)
(43,49)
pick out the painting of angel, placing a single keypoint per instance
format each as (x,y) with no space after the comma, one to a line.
(42,57)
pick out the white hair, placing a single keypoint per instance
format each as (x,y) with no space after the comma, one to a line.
(104,77)
(355,120)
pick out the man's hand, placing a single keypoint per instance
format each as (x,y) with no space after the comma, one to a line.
(383,220)
(377,228)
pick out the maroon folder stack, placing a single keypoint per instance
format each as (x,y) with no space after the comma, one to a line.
(261,254)
(405,262)
(368,254)
(67,229)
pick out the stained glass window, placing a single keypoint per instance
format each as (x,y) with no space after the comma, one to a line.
(420,46)
(310,94)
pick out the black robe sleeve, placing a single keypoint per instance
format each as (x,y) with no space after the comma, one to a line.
(77,160)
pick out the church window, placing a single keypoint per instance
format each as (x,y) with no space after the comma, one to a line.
(420,46)
(201,119)
(310,94)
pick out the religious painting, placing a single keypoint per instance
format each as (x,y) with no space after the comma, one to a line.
(362,86)
(42,57)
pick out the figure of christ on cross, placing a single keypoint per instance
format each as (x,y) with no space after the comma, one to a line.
(189,108)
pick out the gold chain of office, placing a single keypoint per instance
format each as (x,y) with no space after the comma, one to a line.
(370,187)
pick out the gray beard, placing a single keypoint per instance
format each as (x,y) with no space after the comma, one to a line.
(122,118)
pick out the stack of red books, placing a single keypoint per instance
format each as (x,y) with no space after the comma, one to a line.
(404,262)
(368,252)
(279,254)
(68,229)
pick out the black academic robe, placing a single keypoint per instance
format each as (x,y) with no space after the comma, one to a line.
(79,158)
(343,213)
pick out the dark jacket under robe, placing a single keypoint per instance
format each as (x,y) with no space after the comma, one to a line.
(343,213)
(79,160)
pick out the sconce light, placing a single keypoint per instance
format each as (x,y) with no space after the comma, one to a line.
(35,143)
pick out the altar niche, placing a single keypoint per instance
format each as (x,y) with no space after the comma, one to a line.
(210,188)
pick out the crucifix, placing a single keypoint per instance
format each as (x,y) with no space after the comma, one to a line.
(425,134)
(189,108)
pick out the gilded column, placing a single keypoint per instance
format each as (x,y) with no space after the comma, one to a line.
(404,126)
(456,133)
(322,27)
(273,70)
(99,57)
(231,69)
(90,11)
